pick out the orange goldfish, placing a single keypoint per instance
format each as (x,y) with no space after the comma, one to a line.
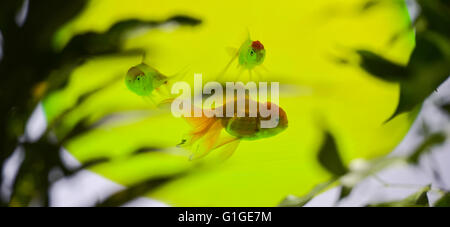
(207,133)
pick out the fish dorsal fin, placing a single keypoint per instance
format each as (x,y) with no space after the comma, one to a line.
(248,34)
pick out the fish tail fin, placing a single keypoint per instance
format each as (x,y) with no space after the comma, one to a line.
(203,138)
(180,75)
(227,148)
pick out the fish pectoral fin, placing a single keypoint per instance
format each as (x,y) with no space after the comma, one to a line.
(232,51)
(150,100)
(165,98)
(234,57)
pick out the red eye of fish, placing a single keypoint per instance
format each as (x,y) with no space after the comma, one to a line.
(257,45)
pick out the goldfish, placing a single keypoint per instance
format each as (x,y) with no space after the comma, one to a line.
(225,133)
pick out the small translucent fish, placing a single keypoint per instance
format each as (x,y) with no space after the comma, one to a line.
(144,80)
(225,133)
(249,55)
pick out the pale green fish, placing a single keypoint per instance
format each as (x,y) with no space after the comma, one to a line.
(143,79)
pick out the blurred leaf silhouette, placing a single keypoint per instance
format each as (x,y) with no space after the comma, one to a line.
(444,201)
(429,64)
(329,157)
(418,199)
(432,140)
(427,68)
(345,191)
(370,169)
(27,60)
(294,201)
(135,191)
(446,108)
(30,67)
(382,67)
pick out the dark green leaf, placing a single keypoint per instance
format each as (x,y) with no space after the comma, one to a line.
(429,64)
(93,43)
(146,150)
(345,191)
(418,199)
(444,201)
(369,4)
(432,140)
(135,191)
(436,13)
(446,108)
(329,157)
(294,201)
(87,164)
(381,67)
